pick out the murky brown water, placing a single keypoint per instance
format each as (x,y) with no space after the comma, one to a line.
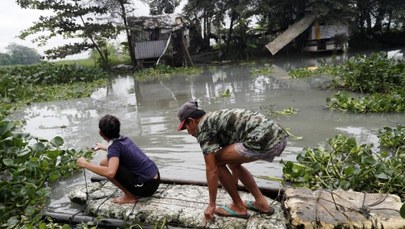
(148,115)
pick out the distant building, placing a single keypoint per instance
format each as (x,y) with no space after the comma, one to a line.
(161,36)
(318,37)
(327,38)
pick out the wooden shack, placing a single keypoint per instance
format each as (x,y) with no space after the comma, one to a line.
(161,37)
(319,37)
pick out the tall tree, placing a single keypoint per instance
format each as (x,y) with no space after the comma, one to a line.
(5,59)
(201,13)
(19,54)
(157,7)
(71,19)
(119,11)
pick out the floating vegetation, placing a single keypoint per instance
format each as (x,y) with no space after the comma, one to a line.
(374,103)
(311,71)
(27,165)
(226,93)
(381,81)
(343,163)
(266,70)
(303,72)
(269,110)
(21,85)
(376,73)
(162,72)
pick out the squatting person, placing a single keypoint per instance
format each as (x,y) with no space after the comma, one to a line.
(126,165)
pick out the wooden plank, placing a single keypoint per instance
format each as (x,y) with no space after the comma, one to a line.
(290,34)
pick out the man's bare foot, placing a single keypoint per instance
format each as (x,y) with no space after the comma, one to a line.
(261,209)
(125,200)
(231,211)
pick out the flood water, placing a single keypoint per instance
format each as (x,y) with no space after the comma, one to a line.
(147,112)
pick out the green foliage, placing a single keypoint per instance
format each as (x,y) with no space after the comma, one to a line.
(18,54)
(376,103)
(383,80)
(20,85)
(343,163)
(72,19)
(49,73)
(331,11)
(161,71)
(322,69)
(368,74)
(226,93)
(269,110)
(265,70)
(27,165)
(157,7)
(393,138)
(303,72)
(113,57)
(402,210)
(87,63)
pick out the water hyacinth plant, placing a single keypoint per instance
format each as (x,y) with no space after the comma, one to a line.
(378,81)
(343,163)
(27,165)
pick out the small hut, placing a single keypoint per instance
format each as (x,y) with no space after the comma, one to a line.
(157,35)
(318,37)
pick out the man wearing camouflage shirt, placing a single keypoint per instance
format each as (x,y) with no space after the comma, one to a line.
(228,138)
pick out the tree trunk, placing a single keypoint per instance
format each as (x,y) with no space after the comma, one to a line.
(230,30)
(379,18)
(129,37)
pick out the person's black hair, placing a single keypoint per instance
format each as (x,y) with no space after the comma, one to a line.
(197,114)
(109,125)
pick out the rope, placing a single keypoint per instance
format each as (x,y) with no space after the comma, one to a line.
(87,188)
(87,199)
(364,209)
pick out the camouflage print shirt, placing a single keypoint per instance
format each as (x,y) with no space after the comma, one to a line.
(224,127)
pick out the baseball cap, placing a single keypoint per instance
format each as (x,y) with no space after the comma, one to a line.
(184,111)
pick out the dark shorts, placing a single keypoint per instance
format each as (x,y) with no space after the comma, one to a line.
(126,179)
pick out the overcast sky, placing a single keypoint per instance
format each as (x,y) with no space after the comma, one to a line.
(13,20)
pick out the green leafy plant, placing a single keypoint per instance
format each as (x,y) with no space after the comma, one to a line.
(380,81)
(390,102)
(21,85)
(343,163)
(226,93)
(269,110)
(265,70)
(27,165)
(368,74)
(161,72)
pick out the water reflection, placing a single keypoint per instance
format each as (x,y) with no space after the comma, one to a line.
(147,111)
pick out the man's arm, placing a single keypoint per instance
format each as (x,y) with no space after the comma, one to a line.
(212,181)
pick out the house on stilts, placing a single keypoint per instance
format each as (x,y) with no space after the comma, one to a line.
(161,38)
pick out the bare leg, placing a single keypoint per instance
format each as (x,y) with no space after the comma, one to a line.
(228,155)
(249,182)
(227,181)
(128,197)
